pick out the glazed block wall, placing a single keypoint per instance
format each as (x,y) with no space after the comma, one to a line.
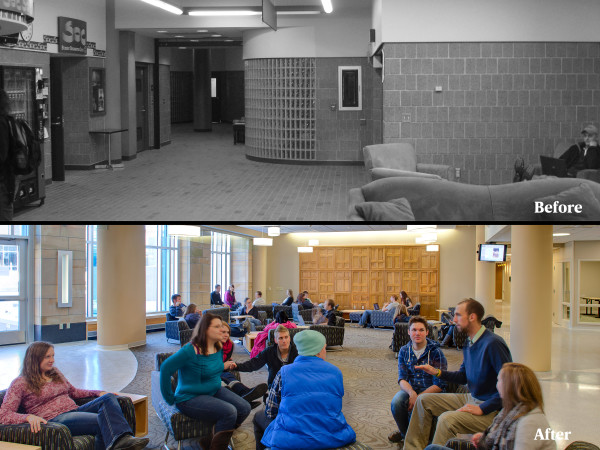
(498,100)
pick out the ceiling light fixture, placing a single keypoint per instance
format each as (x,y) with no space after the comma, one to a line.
(164,5)
(420,227)
(179,36)
(264,242)
(183,230)
(327,6)
(297,13)
(273,231)
(433,248)
(313,242)
(201,31)
(305,249)
(224,12)
(561,234)
(162,31)
(216,35)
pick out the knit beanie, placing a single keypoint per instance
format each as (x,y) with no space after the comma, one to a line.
(309,342)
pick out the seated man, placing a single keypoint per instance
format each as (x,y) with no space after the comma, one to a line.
(249,310)
(462,413)
(274,356)
(215,296)
(304,407)
(420,350)
(177,309)
(583,155)
(306,303)
(365,320)
(258,300)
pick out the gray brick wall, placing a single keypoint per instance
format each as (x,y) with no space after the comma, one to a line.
(341,135)
(498,100)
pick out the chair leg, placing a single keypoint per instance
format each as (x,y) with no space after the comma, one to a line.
(166,439)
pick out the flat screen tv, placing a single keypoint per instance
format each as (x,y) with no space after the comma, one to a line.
(492,252)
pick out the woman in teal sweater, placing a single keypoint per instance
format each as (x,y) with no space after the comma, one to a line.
(199,393)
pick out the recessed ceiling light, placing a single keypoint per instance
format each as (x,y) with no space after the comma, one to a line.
(194,40)
(216,35)
(162,31)
(561,234)
(182,48)
(201,31)
(179,36)
(228,40)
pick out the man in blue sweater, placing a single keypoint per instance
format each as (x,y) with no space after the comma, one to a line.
(413,382)
(462,413)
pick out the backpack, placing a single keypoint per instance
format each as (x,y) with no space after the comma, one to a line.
(25,148)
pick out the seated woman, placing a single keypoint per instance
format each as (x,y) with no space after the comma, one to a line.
(249,310)
(405,299)
(192,316)
(248,394)
(45,395)
(199,393)
(521,416)
(261,340)
(402,314)
(289,299)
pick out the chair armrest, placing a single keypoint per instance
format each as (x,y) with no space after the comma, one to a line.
(185,336)
(460,444)
(52,435)
(382,172)
(589,174)
(442,170)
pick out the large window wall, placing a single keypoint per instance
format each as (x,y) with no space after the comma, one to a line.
(220,260)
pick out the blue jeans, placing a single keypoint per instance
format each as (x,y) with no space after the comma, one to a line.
(225,409)
(101,417)
(237,331)
(254,323)
(366,317)
(436,447)
(400,411)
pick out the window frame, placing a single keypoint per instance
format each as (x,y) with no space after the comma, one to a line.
(341,70)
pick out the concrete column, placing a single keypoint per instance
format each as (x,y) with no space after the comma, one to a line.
(259,270)
(112,96)
(485,277)
(128,93)
(121,286)
(202,97)
(531,310)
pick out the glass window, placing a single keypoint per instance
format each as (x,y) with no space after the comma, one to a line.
(13,230)
(9,271)
(220,258)
(162,274)
(350,88)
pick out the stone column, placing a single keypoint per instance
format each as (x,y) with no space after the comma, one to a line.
(202,97)
(531,310)
(128,93)
(112,96)
(485,277)
(259,270)
(121,286)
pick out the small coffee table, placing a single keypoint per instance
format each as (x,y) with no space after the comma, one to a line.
(12,446)
(249,339)
(140,406)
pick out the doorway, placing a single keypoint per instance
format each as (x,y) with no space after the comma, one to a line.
(57,120)
(141,106)
(13,291)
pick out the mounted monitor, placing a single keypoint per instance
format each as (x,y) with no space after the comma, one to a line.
(492,252)
(269,14)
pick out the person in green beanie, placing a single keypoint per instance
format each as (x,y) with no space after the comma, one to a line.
(305,395)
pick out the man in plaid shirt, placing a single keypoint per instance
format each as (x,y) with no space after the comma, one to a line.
(420,350)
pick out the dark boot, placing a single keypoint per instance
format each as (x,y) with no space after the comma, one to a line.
(238,388)
(256,392)
(221,440)
(128,442)
(447,340)
(206,440)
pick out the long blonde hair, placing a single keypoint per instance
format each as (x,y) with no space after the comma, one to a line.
(520,385)
(31,370)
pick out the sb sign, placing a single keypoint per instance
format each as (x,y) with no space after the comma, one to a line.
(72,36)
(18,6)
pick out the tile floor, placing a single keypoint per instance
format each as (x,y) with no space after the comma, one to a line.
(571,390)
(200,177)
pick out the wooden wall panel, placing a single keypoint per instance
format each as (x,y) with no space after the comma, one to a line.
(357,277)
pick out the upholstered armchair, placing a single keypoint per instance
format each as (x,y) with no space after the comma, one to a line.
(173,329)
(383,318)
(333,335)
(414,310)
(286,309)
(306,314)
(400,160)
(179,425)
(223,313)
(56,435)
(268,309)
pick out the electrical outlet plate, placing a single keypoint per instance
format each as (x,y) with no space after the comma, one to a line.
(405,117)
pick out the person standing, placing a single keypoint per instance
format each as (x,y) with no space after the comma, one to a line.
(7,177)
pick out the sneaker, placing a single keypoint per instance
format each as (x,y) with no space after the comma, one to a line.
(128,442)
(396,437)
(256,392)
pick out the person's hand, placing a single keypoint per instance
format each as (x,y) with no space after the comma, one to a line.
(472,409)
(476,438)
(229,365)
(427,368)
(35,422)
(412,399)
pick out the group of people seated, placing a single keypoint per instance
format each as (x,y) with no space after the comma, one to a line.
(398,306)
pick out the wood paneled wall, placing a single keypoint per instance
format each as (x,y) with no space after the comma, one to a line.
(357,277)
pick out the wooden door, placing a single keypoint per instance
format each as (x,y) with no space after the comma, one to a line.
(343,259)
(360,258)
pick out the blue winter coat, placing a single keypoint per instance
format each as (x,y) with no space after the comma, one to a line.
(310,413)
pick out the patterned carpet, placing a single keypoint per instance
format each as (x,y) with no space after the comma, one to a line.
(370,381)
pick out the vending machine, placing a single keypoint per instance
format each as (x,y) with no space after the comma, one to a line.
(25,89)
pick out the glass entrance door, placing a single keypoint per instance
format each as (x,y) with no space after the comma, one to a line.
(13,291)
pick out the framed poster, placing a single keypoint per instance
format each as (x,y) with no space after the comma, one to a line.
(97,91)
(72,36)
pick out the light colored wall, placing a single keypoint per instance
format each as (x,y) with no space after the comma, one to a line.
(226,59)
(490,20)
(583,250)
(589,279)
(144,49)
(91,11)
(457,259)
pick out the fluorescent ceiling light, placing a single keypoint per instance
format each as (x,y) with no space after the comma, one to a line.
(297,13)
(433,248)
(179,36)
(201,31)
(183,230)
(327,6)
(216,35)
(224,12)
(265,242)
(273,231)
(313,242)
(305,249)
(419,227)
(182,48)
(164,5)
(162,31)
(561,234)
